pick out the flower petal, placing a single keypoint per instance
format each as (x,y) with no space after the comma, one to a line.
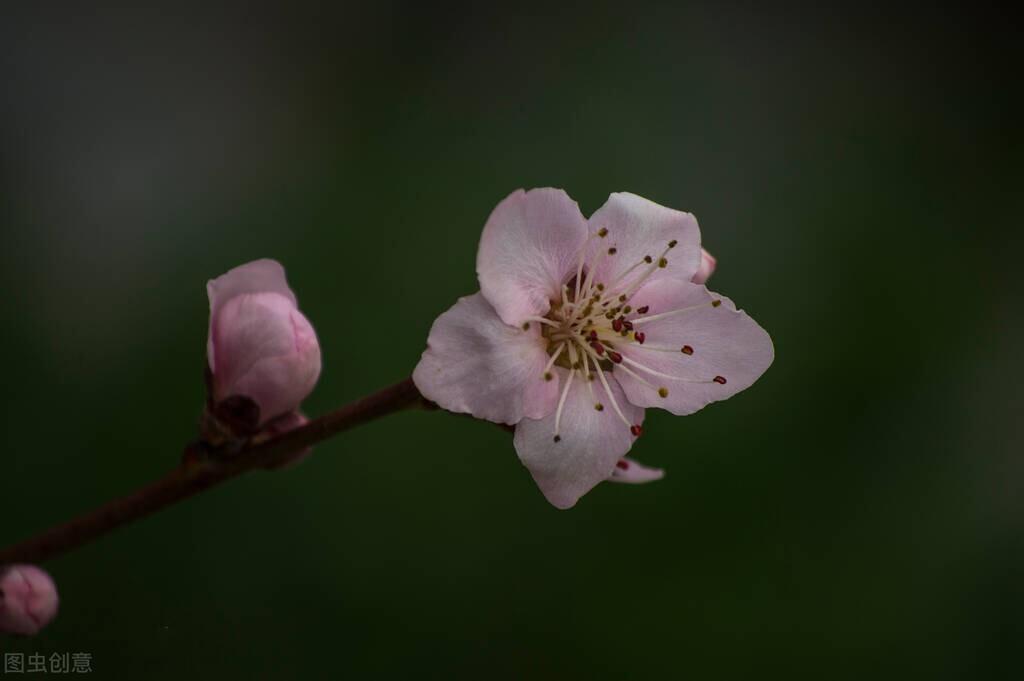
(696,344)
(706,269)
(590,444)
(638,228)
(477,364)
(530,245)
(633,472)
(258,276)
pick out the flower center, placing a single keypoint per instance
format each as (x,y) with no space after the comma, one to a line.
(593,329)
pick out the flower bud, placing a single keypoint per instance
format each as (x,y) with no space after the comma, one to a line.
(260,348)
(706,269)
(28,599)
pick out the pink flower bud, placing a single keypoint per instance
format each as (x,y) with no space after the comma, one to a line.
(706,268)
(260,346)
(28,599)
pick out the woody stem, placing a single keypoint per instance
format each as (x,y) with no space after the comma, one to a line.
(190,479)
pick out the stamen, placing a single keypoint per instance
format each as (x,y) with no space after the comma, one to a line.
(686,350)
(640,336)
(542,320)
(720,380)
(615,357)
(608,391)
(654,317)
(561,404)
(636,430)
(551,361)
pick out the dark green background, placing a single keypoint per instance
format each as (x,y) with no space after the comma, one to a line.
(856,514)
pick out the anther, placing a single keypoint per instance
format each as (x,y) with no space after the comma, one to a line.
(622,464)
(617,358)
(622,298)
(603,232)
(627,309)
(617,324)
(640,337)
(592,336)
(662,392)
(599,407)
(687,350)
(558,438)
(720,380)
(600,287)
(716,303)
(612,251)
(628,325)
(636,430)
(548,376)
(526,326)
(598,348)
(663,262)
(672,244)
(643,310)
(648,259)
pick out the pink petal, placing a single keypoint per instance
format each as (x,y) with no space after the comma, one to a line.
(530,245)
(268,352)
(723,342)
(477,364)
(591,442)
(706,269)
(633,472)
(638,228)
(258,276)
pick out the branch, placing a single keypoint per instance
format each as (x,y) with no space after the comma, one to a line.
(190,479)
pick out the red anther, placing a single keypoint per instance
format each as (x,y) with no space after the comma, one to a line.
(628,325)
(644,309)
(617,358)
(622,463)
(636,430)
(598,348)
(720,380)
(617,324)
(593,335)
(687,350)
(640,337)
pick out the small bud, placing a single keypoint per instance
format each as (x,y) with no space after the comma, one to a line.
(28,599)
(260,346)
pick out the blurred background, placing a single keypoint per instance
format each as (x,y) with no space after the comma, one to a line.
(858,513)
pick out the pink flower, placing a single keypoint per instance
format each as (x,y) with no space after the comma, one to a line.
(579,326)
(28,599)
(260,346)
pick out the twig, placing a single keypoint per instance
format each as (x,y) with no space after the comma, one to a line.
(190,479)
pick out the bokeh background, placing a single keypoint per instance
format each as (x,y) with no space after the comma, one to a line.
(858,513)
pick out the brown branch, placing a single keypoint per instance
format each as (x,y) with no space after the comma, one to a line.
(190,479)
